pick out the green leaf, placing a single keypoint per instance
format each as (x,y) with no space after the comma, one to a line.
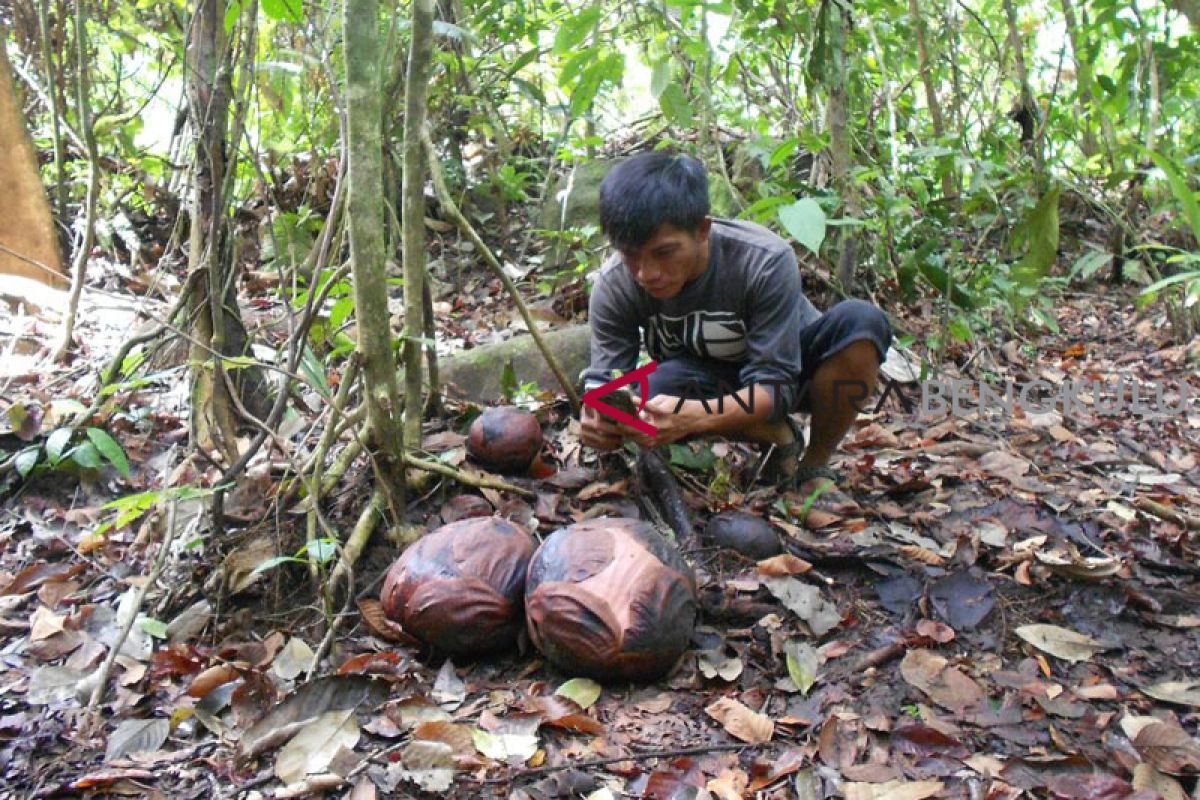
(273,562)
(508,381)
(803,662)
(683,455)
(1179,187)
(87,456)
(1182,277)
(322,550)
(286,10)
(109,448)
(1041,235)
(583,691)
(660,77)
(25,461)
(154,627)
(675,106)
(574,30)
(231,15)
(805,221)
(56,444)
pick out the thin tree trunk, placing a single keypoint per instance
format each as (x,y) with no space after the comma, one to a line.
(60,164)
(364,213)
(1028,107)
(218,332)
(1088,108)
(416,93)
(838,23)
(86,130)
(888,101)
(925,64)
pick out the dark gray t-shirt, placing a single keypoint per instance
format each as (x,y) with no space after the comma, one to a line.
(747,309)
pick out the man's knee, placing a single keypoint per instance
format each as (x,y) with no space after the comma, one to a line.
(858,320)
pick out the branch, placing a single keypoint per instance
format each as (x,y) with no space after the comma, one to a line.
(451,209)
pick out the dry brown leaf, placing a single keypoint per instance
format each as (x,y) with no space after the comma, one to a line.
(917,553)
(1186,693)
(741,722)
(1060,642)
(211,678)
(1145,776)
(892,790)
(947,686)
(379,624)
(1101,691)
(729,785)
(783,565)
(1169,748)
(937,631)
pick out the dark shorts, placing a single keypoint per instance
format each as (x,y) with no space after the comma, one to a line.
(848,322)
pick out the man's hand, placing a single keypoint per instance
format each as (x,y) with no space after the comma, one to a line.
(674,418)
(599,431)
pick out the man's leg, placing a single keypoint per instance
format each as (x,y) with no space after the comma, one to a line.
(846,347)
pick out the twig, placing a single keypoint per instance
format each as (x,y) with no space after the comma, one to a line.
(451,209)
(447,471)
(123,634)
(600,762)
(1167,513)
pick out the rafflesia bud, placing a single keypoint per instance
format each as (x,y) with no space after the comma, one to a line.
(505,439)
(610,599)
(460,587)
(750,535)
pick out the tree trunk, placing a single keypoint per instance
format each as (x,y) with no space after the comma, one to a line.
(925,64)
(217,329)
(60,164)
(1027,114)
(26,224)
(364,206)
(838,23)
(416,93)
(1083,77)
(87,131)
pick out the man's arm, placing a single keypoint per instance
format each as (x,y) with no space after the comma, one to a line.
(614,347)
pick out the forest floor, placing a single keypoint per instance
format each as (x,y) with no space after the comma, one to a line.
(1013,604)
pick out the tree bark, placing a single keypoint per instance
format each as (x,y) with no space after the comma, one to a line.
(1083,78)
(836,112)
(87,131)
(416,93)
(364,206)
(1028,109)
(218,332)
(925,64)
(26,224)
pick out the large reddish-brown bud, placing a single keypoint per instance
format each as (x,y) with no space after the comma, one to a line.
(610,599)
(505,439)
(460,587)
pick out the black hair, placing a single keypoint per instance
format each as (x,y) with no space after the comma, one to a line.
(642,193)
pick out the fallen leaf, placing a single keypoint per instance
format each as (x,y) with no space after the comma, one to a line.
(963,599)
(783,565)
(1146,777)
(947,686)
(715,664)
(449,691)
(740,722)
(1185,693)
(294,658)
(729,785)
(583,691)
(308,703)
(505,746)
(428,764)
(52,685)
(805,601)
(44,623)
(1060,642)
(657,704)
(936,631)
(379,625)
(803,663)
(1168,747)
(892,790)
(137,736)
(1101,691)
(313,747)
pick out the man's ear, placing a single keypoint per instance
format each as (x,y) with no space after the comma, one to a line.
(704,229)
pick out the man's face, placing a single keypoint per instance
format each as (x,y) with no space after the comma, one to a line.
(672,258)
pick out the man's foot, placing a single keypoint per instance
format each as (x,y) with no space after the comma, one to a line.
(822,502)
(779,462)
